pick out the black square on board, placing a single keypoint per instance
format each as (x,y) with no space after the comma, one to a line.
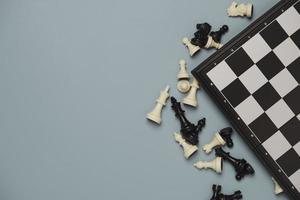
(263,127)
(235,92)
(297,6)
(266,96)
(239,61)
(290,130)
(274,34)
(270,65)
(289,162)
(292,99)
(296,38)
(294,69)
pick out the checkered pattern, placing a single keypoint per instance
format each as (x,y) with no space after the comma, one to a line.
(260,80)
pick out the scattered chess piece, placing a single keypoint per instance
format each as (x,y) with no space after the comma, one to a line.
(212,44)
(216,35)
(216,192)
(192,48)
(240,10)
(278,189)
(235,196)
(191,98)
(203,29)
(183,84)
(189,131)
(155,114)
(221,138)
(216,164)
(200,42)
(188,149)
(241,166)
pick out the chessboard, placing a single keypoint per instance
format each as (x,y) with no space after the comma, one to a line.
(255,80)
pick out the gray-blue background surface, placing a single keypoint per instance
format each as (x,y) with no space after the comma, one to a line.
(76,81)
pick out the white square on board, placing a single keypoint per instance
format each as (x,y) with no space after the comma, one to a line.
(256,48)
(289,20)
(221,75)
(253,79)
(249,110)
(297,148)
(287,51)
(280,113)
(295,179)
(276,145)
(283,82)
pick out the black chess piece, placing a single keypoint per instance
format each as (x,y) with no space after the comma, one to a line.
(235,196)
(203,29)
(241,166)
(226,135)
(199,41)
(216,35)
(216,192)
(188,130)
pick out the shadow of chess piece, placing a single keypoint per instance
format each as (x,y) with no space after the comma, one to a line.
(188,130)
(241,166)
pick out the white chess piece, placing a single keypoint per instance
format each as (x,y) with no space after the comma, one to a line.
(191,98)
(216,141)
(155,114)
(212,44)
(188,149)
(216,164)
(183,84)
(182,70)
(192,48)
(240,10)
(278,189)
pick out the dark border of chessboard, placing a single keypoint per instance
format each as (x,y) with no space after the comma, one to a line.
(200,74)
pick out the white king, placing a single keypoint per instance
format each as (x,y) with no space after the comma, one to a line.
(191,98)
(216,141)
(192,48)
(216,164)
(188,149)
(240,10)
(155,114)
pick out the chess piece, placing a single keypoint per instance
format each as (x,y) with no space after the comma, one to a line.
(192,48)
(216,164)
(203,29)
(188,149)
(183,84)
(216,35)
(240,10)
(199,41)
(235,196)
(220,138)
(212,44)
(241,166)
(189,131)
(155,114)
(191,98)
(278,189)
(216,192)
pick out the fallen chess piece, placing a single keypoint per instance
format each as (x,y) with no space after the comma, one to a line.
(189,131)
(216,164)
(155,114)
(217,195)
(192,48)
(212,44)
(183,84)
(240,10)
(203,29)
(191,98)
(216,35)
(188,149)
(278,189)
(241,166)
(221,138)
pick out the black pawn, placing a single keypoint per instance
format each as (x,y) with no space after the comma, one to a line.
(226,133)
(241,166)
(188,130)
(216,192)
(203,29)
(236,196)
(216,35)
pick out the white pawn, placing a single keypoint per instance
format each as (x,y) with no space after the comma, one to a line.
(216,141)
(278,189)
(183,84)
(216,164)
(212,44)
(191,98)
(155,114)
(188,149)
(192,48)
(240,10)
